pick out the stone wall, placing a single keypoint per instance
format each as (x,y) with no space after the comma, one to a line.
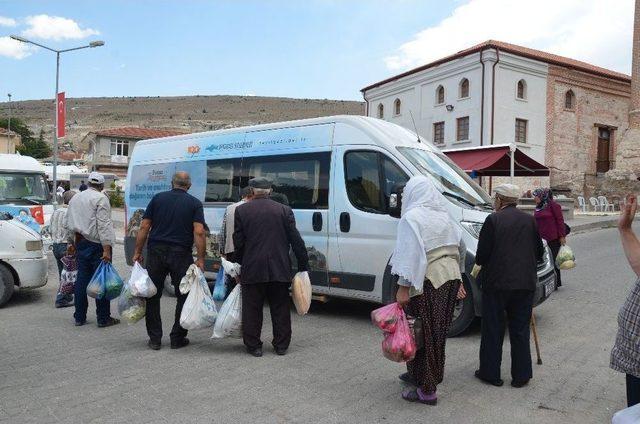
(572,134)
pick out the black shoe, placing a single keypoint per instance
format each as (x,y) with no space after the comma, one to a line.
(280,352)
(111,322)
(257,352)
(154,345)
(80,323)
(519,384)
(498,383)
(406,377)
(180,343)
(64,304)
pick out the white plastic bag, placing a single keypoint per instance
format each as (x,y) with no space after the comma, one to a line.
(229,322)
(140,284)
(199,310)
(232,269)
(565,259)
(301,292)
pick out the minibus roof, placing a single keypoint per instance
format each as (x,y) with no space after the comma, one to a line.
(19,163)
(400,136)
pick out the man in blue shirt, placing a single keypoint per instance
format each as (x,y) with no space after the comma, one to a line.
(172,221)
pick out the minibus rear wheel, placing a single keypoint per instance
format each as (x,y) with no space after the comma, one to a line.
(7,284)
(463,314)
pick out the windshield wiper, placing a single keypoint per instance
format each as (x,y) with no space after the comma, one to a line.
(460,198)
(33,202)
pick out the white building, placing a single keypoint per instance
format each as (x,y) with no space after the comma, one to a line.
(477,97)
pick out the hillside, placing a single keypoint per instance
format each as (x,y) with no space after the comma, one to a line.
(189,113)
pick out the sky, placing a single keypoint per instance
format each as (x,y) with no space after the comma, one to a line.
(296,48)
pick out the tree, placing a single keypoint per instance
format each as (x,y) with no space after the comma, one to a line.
(37,148)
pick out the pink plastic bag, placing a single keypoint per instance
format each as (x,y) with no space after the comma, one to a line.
(400,345)
(386,318)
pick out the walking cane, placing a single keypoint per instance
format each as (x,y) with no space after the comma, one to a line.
(535,337)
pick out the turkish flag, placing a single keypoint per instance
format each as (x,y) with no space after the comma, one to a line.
(62,113)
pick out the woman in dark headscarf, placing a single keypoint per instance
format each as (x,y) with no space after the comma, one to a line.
(428,257)
(550,221)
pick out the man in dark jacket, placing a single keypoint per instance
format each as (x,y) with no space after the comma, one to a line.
(509,249)
(263,232)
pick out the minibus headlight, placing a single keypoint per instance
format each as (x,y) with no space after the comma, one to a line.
(472,227)
(32,245)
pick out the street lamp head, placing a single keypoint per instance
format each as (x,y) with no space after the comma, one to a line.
(18,38)
(96,43)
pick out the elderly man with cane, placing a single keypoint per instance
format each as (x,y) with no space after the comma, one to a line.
(509,249)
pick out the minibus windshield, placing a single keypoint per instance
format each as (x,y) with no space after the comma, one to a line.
(451,180)
(25,188)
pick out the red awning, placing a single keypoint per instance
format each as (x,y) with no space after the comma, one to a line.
(495,161)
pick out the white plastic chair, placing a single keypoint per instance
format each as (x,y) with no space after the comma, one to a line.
(605,205)
(582,204)
(594,203)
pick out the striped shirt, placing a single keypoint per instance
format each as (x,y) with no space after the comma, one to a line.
(59,233)
(89,213)
(625,355)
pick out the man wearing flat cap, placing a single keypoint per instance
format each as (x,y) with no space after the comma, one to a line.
(264,230)
(509,249)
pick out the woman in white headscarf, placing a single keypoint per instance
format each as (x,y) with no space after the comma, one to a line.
(428,260)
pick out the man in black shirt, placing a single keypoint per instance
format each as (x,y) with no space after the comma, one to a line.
(509,248)
(264,231)
(172,220)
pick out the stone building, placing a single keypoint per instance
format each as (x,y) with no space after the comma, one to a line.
(9,140)
(564,113)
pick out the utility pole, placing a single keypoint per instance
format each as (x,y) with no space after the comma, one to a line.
(9,126)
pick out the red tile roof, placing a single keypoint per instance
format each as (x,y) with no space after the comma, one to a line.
(137,133)
(549,58)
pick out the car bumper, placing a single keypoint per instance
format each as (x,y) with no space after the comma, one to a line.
(546,286)
(32,273)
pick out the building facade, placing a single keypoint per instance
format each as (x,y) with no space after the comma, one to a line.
(9,140)
(109,150)
(563,113)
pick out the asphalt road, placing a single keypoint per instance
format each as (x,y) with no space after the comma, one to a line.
(54,372)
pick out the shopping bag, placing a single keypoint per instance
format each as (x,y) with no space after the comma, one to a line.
(68,275)
(386,318)
(131,308)
(232,269)
(199,310)
(220,288)
(112,283)
(301,292)
(565,259)
(399,346)
(229,322)
(140,284)
(96,287)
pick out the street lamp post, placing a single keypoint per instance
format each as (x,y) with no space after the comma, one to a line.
(55,100)
(9,125)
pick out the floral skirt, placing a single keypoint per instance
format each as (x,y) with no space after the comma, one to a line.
(435,308)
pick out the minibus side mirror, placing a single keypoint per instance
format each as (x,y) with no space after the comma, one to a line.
(395,201)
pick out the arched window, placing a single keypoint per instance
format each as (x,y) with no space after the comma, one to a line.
(440,95)
(569,100)
(380,111)
(396,107)
(521,90)
(464,88)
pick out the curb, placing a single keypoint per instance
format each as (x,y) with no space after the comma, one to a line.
(593,226)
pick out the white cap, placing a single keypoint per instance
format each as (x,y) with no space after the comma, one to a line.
(510,191)
(96,178)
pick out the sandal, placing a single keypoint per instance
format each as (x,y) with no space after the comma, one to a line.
(415,396)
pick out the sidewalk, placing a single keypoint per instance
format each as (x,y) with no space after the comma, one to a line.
(592,221)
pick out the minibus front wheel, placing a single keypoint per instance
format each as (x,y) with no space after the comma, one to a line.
(464,312)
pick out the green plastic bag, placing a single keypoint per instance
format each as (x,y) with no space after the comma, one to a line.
(105,282)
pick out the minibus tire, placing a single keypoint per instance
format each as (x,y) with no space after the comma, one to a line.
(7,284)
(464,320)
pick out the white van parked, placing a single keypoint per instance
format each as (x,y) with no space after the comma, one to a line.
(23,264)
(337,174)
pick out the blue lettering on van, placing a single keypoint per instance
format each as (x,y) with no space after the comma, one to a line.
(229,146)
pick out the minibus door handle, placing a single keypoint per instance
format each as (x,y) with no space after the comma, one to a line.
(317,221)
(345,222)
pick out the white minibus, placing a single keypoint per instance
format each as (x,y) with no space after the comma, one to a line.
(337,174)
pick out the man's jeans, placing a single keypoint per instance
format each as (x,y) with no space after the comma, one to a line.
(89,256)
(59,250)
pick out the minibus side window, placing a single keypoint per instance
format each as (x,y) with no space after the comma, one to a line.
(223,182)
(370,177)
(299,180)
